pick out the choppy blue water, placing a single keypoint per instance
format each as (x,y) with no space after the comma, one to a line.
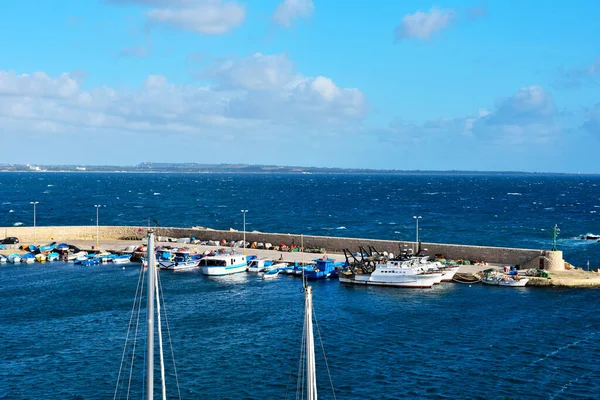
(514,211)
(63,327)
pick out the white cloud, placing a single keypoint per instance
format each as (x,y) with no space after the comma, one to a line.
(421,25)
(528,116)
(209,17)
(248,97)
(289,10)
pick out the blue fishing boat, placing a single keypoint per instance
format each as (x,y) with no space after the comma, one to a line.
(62,247)
(28,258)
(48,247)
(52,256)
(14,258)
(324,268)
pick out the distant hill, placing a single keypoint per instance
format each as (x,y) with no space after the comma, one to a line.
(234,168)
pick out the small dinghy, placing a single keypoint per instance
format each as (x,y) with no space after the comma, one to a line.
(466,277)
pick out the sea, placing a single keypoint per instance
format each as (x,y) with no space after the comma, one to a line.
(64,327)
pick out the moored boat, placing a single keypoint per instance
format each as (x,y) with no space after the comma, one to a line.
(182,261)
(270,274)
(28,258)
(3,259)
(323,268)
(259,264)
(52,256)
(123,259)
(14,258)
(495,278)
(41,257)
(224,264)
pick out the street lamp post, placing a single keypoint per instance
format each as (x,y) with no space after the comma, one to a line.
(417,218)
(34,233)
(244,244)
(97,226)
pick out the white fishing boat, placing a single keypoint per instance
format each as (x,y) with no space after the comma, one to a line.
(80,256)
(395,273)
(123,259)
(224,265)
(52,256)
(259,264)
(182,261)
(271,274)
(3,259)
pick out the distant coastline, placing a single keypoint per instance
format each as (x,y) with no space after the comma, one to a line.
(195,168)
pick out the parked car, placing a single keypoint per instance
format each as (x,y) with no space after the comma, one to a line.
(10,240)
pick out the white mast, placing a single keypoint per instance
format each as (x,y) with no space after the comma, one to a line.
(160,343)
(311,375)
(150,320)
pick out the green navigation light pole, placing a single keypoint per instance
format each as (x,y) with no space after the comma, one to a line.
(554,235)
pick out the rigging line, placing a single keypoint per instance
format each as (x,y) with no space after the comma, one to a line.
(324,355)
(301,364)
(291,366)
(169,336)
(127,335)
(136,335)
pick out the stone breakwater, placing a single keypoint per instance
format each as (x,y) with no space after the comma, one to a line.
(526,258)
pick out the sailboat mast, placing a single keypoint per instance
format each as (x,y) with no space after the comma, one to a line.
(150,320)
(311,381)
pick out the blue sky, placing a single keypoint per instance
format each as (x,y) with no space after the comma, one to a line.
(384,84)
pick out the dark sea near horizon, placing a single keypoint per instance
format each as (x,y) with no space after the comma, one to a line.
(63,327)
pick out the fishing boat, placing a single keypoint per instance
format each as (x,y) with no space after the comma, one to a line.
(41,257)
(62,247)
(393,273)
(270,274)
(290,269)
(48,247)
(28,258)
(3,259)
(52,256)
(14,258)
(123,259)
(182,261)
(224,264)
(259,264)
(496,278)
(323,268)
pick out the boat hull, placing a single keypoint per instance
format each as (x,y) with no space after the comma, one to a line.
(222,270)
(416,281)
(178,266)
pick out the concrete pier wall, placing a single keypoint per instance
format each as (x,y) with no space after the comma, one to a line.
(500,255)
